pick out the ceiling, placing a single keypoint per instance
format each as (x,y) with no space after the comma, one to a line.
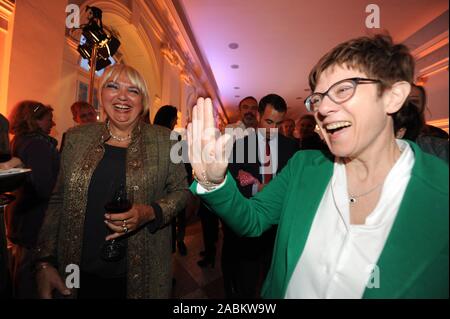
(280,40)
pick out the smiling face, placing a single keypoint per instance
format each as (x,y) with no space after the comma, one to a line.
(248,110)
(357,125)
(122,102)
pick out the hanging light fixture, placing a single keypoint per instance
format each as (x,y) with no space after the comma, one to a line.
(96,45)
(95,35)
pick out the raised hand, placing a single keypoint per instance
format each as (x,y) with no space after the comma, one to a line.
(208,149)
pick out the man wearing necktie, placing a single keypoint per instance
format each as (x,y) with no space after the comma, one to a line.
(256,160)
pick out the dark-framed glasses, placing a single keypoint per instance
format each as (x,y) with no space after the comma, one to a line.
(339,92)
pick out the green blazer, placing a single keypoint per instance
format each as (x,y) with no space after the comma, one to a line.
(414,261)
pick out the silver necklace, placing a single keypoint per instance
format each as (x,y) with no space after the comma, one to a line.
(352,198)
(117,138)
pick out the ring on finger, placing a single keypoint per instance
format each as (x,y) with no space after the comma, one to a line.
(125,229)
(124,223)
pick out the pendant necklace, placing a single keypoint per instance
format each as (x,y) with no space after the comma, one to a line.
(352,198)
(117,138)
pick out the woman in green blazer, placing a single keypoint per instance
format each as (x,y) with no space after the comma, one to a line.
(369,220)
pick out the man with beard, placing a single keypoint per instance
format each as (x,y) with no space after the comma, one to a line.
(248,110)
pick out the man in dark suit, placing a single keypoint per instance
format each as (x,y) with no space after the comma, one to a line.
(256,159)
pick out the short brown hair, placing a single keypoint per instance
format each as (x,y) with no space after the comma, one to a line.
(376,56)
(77,106)
(24,116)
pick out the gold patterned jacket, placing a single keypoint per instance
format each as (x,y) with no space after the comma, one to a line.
(150,175)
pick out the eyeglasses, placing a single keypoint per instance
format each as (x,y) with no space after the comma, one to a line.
(339,92)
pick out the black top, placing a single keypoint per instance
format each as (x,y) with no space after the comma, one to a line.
(434,145)
(26,214)
(106,179)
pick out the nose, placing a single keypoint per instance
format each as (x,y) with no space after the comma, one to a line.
(327,106)
(123,93)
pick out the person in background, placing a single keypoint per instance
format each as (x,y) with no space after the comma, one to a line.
(309,139)
(287,129)
(368,220)
(31,123)
(167,116)
(121,158)
(6,161)
(430,130)
(410,124)
(248,112)
(4,139)
(245,261)
(82,113)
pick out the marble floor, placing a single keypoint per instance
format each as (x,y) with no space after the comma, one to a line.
(191,281)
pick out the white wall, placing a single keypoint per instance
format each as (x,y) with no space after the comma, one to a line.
(37,53)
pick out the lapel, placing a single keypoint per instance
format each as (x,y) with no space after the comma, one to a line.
(418,235)
(83,162)
(311,186)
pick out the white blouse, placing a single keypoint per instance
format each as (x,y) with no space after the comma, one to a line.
(339,259)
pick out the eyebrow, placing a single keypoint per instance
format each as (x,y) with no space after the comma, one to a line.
(121,83)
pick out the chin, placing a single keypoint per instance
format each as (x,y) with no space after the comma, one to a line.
(340,150)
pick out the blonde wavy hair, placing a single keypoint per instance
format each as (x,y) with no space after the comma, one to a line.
(113,72)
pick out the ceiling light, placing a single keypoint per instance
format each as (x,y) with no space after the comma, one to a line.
(94,35)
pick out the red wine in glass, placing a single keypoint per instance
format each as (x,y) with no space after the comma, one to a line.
(114,250)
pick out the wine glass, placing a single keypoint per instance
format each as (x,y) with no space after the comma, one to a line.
(114,249)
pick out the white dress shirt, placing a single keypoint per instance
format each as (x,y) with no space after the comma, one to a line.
(273,144)
(338,258)
(239,130)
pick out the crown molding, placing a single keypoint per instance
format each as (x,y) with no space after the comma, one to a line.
(431,46)
(426,72)
(6,11)
(178,37)
(6,8)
